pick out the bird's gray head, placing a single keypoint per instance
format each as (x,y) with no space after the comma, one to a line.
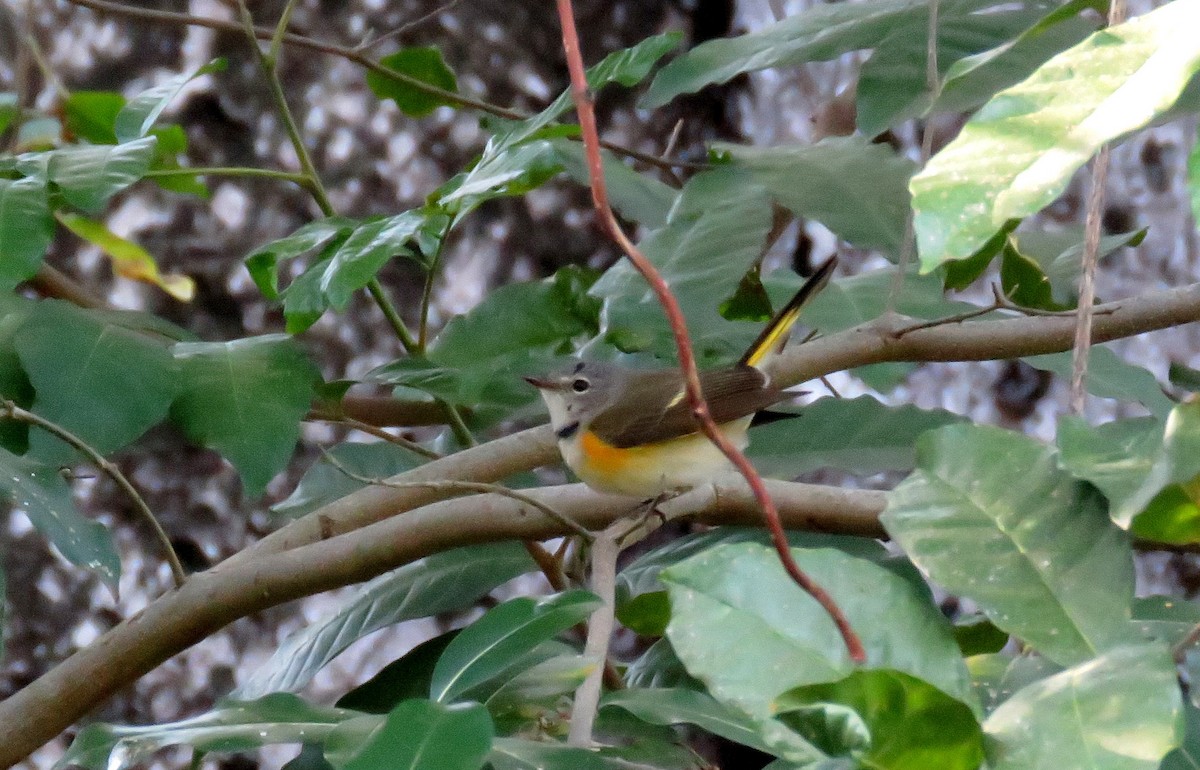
(575,396)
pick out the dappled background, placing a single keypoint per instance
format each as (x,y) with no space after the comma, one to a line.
(374,160)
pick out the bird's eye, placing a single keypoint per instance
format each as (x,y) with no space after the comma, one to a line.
(580,385)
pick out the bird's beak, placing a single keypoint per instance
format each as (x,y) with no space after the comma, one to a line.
(542,383)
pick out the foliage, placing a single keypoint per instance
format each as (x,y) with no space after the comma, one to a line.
(1062,662)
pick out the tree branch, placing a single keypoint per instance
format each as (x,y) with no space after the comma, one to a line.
(212,599)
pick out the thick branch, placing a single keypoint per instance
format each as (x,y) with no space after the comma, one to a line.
(213,599)
(870,343)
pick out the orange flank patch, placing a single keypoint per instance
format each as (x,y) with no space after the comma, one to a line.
(604,458)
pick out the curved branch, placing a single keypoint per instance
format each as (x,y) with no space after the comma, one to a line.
(210,600)
(875,342)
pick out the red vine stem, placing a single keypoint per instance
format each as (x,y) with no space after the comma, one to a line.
(687,359)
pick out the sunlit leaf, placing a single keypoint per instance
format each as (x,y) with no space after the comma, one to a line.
(1018,153)
(129,259)
(984,515)
(1122,710)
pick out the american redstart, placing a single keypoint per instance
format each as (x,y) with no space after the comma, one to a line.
(631,431)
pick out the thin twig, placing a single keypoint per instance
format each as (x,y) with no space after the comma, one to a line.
(1091,255)
(349,54)
(370,43)
(378,432)
(463,486)
(1180,649)
(687,362)
(247,171)
(12,411)
(1000,302)
(605,549)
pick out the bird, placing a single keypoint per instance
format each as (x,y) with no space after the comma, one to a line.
(632,432)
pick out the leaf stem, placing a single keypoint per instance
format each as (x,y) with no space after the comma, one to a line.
(247,171)
(10,410)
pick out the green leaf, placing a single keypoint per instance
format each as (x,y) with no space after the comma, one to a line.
(628,67)
(1177,461)
(1165,619)
(10,109)
(1110,376)
(502,171)
(422,63)
(635,196)
(985,516)
(673,706)
(910,725)
(263,262)
(137,117)
(14,384)
(1023,282)
(542,315)
(641,576)
(421,734)
(364,252)
(245,399)
(977,635)
(406,677)
(859,435)
(659,666)
(538,691)
(88,175)
(716,231)
(1116,457)
(1018,153)
(324,482)
(892,83)
(854,187)
(90,115)
(734,598)
(1122,710)
(1193,171)
(99,380)
(1184,377)
(43,494)
(820,33)
(1058,255)
(230,727)
(26,229)
(524,754)
(443,582)
(973,80)
(491,646)
(857,299)
(1187,756)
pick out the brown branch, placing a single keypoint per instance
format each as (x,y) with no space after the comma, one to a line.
(212,599)
(871,343)
(687,360)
